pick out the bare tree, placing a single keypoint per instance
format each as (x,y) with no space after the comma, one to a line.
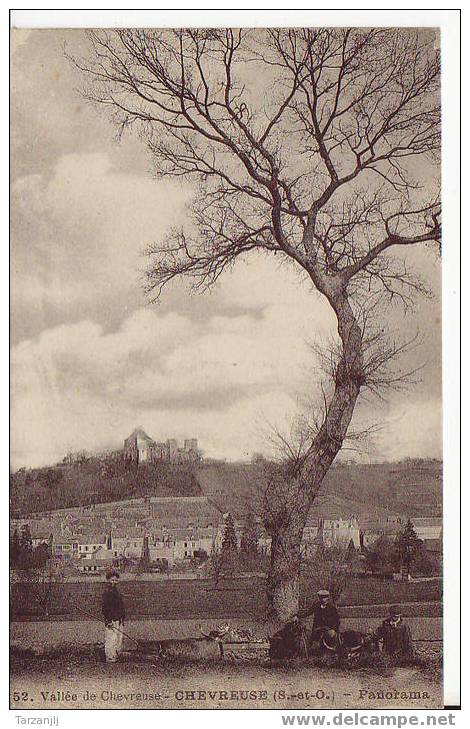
(298,142)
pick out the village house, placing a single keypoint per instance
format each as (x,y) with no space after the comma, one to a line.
(171,544)
(41,536)
(329,532)
(88,544)
(428,527)
(182,544)
(64,549)
(373,527)
(40,531)
(119,543)
(101,559)
(134,537)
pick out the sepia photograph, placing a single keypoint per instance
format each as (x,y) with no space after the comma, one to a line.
(226,454)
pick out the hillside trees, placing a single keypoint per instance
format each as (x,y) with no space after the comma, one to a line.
(250,556)
(99,480)
(332,566)
(144,562)
(23,555)
(229,547)
(310,144)
(224,561)
(410,552)
(250,536)
(381,556)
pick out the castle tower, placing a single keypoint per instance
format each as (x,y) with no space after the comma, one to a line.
(172,449)
(138,445)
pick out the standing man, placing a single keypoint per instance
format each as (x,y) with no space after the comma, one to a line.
(114,615)
(325,619)
(395,634)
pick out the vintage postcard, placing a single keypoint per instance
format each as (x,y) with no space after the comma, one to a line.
(226,419)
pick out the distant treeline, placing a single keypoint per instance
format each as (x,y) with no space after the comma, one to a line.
(96,480)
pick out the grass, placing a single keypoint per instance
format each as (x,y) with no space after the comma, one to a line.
(24,659)
(240,597)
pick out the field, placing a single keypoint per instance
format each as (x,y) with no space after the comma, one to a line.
(238,598)
(40,636)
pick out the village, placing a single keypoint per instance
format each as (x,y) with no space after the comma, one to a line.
(179,534)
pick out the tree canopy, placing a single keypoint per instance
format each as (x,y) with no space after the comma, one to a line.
(298,141)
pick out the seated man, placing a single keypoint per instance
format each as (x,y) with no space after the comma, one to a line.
(325,619)
(288,642)
(395,634)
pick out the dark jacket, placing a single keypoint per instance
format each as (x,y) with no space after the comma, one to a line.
(396,640)
(289,642)
(323,617)
(113,605)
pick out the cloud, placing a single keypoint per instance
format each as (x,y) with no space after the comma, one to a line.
(18,37)
(215,366)
(79,386)
(50,117)
(78,237)
(221,380)
(90,361)
(414,430)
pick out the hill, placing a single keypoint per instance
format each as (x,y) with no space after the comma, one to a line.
(97,481)
(409,488)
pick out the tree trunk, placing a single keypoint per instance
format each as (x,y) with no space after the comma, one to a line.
(284,587)
(305,477)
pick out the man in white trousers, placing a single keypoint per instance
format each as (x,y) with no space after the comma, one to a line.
(114,615)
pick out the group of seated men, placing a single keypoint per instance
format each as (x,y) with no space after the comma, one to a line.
(394,634)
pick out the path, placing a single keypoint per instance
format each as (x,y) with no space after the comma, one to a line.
(63,683)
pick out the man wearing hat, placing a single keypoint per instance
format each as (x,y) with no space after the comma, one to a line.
(114,615)
(325,618)
(395,634)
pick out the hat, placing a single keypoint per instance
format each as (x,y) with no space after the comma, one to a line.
(111,573)
(323,593)
(394,610)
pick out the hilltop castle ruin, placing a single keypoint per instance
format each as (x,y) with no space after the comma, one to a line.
(141,448)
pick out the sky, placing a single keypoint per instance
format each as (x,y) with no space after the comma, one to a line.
(91,358)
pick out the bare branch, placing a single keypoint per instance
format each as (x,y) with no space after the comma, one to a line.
(303,143)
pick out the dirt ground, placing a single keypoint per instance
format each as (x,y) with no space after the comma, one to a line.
(44,635)
(73,682)
(59,664)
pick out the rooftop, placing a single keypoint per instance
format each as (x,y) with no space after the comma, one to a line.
(424,521)
(139,434)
